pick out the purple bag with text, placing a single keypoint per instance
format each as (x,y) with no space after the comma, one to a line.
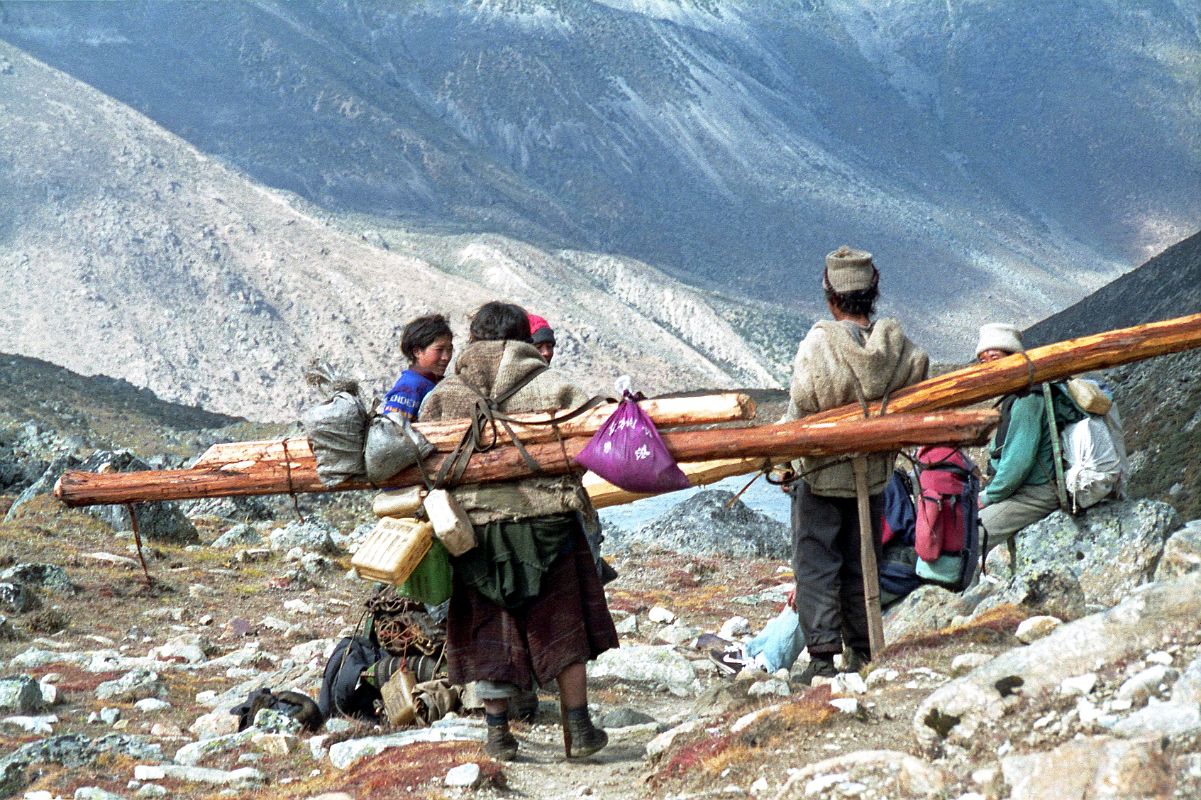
(628,452)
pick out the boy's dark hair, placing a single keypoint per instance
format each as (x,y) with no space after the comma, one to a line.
(497,321)
(420,333)
(859,303)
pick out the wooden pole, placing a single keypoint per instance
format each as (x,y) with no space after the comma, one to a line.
(667,412)
(867,559)
(1052,362)
(788,440)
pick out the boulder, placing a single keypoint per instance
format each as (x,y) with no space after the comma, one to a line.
(134,685)
(1109,549)
(44,484)
(16,599)
(659,667)
(1034,628)
(1180,716)
(898,776)
(163,522)
(312,536)
(344,754)
(924,610)
(1181,553)
(42,576)
(708,524)
(20,694)
(73,751)
(957,712)
(1096,767)
(242,535)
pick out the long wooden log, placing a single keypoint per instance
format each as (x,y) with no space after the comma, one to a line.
(1051,362)
(700,473)
(667,412)
(789,440)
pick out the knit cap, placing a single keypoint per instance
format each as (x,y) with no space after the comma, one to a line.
(1000,336)
(849,270)
(540,330)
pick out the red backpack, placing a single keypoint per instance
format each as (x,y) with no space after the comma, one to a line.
(947,493)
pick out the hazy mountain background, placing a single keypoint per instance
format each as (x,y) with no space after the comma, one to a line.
(205,194)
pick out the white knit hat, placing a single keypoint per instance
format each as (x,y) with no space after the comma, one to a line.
(1000,336)
(849,270)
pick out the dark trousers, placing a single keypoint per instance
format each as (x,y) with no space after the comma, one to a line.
(829,573)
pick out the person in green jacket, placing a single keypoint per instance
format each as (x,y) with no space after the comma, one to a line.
(1021,467)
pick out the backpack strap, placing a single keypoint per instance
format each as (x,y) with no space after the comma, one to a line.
(1057,452)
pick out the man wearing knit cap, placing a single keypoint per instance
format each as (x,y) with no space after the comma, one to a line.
(841,361)
(543,337)
(1021,466)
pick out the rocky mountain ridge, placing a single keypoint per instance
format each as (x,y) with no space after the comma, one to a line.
(139,257)
(993,158)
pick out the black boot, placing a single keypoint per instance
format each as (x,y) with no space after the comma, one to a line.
(500,744)
(580,737)
(820,666)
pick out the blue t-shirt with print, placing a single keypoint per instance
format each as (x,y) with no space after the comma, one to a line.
(406,396)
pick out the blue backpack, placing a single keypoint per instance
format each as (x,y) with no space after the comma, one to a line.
(898,574)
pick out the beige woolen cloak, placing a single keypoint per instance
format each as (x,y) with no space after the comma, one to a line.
(831,361)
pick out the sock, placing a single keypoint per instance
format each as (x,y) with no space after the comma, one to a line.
(496,720)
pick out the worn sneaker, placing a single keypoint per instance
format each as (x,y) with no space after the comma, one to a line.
(818,668)
(500,743)
(730,661)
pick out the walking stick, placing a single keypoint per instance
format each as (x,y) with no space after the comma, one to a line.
(867,556)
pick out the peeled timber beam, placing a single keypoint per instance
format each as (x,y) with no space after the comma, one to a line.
(1051,362)
(976,383)
(667,412)
(789,440)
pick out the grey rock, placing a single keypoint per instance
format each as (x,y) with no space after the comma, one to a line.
(243,776)
(1034,628)
(16,599)
(1049,590)
(1095,767)
(149,790)
(44,484)
(135,685)
(703,525)
(656,667)
(198,752)
(72,751)
(7,632)
(312,536)
(624,718)
(163,522)
(891,774)
(272,721)
(1138,688)
(44,576)
(1181,553)
(464,776)
(1159,720)
(20,694)
(961,709)
(344,754)
(1109,549)
(95,793)
(924,610)
(238,536)
(110,715)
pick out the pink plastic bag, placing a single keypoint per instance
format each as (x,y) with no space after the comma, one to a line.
(628,452)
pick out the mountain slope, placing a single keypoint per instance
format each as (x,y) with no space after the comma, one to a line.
(1007,157)
(130,253)
(1159,399)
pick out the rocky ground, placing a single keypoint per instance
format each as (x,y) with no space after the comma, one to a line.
(1075,672)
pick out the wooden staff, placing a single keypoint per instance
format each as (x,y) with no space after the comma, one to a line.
(788,440)
(867,560)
